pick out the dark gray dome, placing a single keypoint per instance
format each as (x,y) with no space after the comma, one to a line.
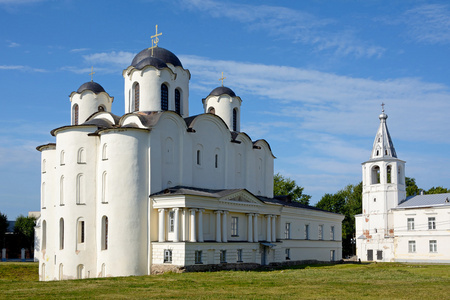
(151,61)
(92,86)
(221,90)
(160,53)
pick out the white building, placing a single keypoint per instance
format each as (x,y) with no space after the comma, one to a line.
(391,226)
(157,189)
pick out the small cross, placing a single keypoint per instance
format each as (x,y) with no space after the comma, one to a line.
(155,39)
(382,106)
(92,73)
(222,78)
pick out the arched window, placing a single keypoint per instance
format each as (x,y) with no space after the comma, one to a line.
(80,189)
(164,97)
(43,195)
(81,233)
(104,188)
(212,110)
(44,162)
(101,108)
(235,119)
(198,157)
(104,153)
(103,270)
(61,190)
(177,101)
(43,272)
(61,233)
(136,96)
(75,114)
(61,158)
(44,235)
(375,174)
(81,157)
(104,233)
(389,174)
(216,161)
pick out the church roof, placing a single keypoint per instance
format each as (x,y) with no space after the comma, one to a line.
(382,146)
(222,90)
(92,86)
(159,55)
(426,201)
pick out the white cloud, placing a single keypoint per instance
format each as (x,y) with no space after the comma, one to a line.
(429,23)
(79,50)
(21,68)
(13,44)
(286,23)
(120,58)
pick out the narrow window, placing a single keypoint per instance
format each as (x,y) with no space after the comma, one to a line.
(198,257)
(433,246)
(104,233)
(177,101)
(61,191)
(216,161)
(43,195)
(389,171)
(431,223)
(239,255)
(332,255)
(43,272)
(410,223)
(61,158)
(81,233)
(287,231)
(375,175)
(171,221)
(61,272)
(235,119)
(44,162)
(104,177)
(234,226)
(287,252)
(164,97)
(320,232)
(411,246)
(369,255)
(104,153)
(307,232)
(44,235)
(61,233)
(198,158)
(80,272)
(332,233)
(136,96)
(103,270)
(168,256)
(223,256)
(212,110)
(75,114)
(80,189)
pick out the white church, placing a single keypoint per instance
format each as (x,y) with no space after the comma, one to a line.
(392,227)
(160,190)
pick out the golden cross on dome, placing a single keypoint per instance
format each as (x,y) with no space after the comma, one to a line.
(92,73)
(155,39)
(222,78)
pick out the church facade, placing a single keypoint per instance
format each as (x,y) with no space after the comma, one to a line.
(393,227)
(157,189)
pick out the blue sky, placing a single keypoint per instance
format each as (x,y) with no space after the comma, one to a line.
(312,76)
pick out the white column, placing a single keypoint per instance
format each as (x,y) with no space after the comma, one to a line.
(200,225)
(161,225)
(274,231)
(218,236)
(176,224)
(183,224)
(193,237)
(224,227)
(250,228)
(255,228)
(268,226)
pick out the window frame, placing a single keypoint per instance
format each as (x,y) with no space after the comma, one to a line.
(410,224)
(234,226)
(412,246)
(431,223)
(287,231)
(320,233)
(239,255)
(168,256)
(223,256)
(198,257)
(432,246)
(287,253)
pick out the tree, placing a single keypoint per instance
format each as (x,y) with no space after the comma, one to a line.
(283,186)
(411,187)
(24,228)
(348,202)
(437,190)
(3,227)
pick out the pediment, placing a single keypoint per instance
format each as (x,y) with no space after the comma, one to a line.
(242,197)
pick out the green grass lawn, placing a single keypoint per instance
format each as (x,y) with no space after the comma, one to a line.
(372,281)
